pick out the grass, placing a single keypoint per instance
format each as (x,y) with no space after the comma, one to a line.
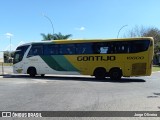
(155,68)
(6,64)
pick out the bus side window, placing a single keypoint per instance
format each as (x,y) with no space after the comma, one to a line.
(103,50)
(17,57)
(35,50)
(84,48)
(118,47)
(96,48)
(123,47)
(79,49)
(51,49)
(139,46)
(111,49)
(67,49)
(46,49)
(70,49)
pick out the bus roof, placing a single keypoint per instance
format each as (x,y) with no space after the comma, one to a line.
(87,40)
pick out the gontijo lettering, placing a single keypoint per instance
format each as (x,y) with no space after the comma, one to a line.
(96,58)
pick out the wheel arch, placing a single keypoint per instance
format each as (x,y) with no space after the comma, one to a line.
(117,68)
(30,68)
(98,68)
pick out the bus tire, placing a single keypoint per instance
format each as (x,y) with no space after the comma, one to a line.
(115,73)
(32,71)
(100,73)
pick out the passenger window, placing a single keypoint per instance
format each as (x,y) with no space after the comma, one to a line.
(51,49)
(100,48)
(103,49)
(67,49)
(84,48)
(139,46)
(36,50)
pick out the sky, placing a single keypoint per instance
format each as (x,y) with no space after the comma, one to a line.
(22,21)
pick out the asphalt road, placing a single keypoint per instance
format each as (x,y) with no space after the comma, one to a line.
(79,93)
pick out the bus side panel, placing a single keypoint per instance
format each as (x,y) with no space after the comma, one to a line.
(137,64)
(150,59)
(86,64)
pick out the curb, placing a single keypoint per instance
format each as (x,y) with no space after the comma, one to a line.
(5,74)
(156,72)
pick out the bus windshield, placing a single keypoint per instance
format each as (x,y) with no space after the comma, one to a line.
(18,55)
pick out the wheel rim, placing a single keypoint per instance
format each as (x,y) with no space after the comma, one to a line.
(115,74)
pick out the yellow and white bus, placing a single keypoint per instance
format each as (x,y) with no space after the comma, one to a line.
(101,58)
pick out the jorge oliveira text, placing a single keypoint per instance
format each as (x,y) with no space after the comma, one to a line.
(145,114)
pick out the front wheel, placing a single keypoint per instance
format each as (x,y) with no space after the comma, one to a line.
(42,75)
(115,74)
(32,72)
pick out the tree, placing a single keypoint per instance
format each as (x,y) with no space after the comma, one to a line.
(8,56)
(47,37)
(58,36)
(136,32)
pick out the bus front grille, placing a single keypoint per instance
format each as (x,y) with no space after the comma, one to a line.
(138,69)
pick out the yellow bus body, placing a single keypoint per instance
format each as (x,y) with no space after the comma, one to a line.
(114,65)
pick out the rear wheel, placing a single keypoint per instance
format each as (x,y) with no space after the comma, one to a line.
(100,73)
(115,74)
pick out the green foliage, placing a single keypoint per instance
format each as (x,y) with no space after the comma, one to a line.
(58,36)
(155,68)
(7,56)
(47,37)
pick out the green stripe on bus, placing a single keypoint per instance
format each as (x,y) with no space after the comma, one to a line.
(51,62)
(59,63)
(61,60)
